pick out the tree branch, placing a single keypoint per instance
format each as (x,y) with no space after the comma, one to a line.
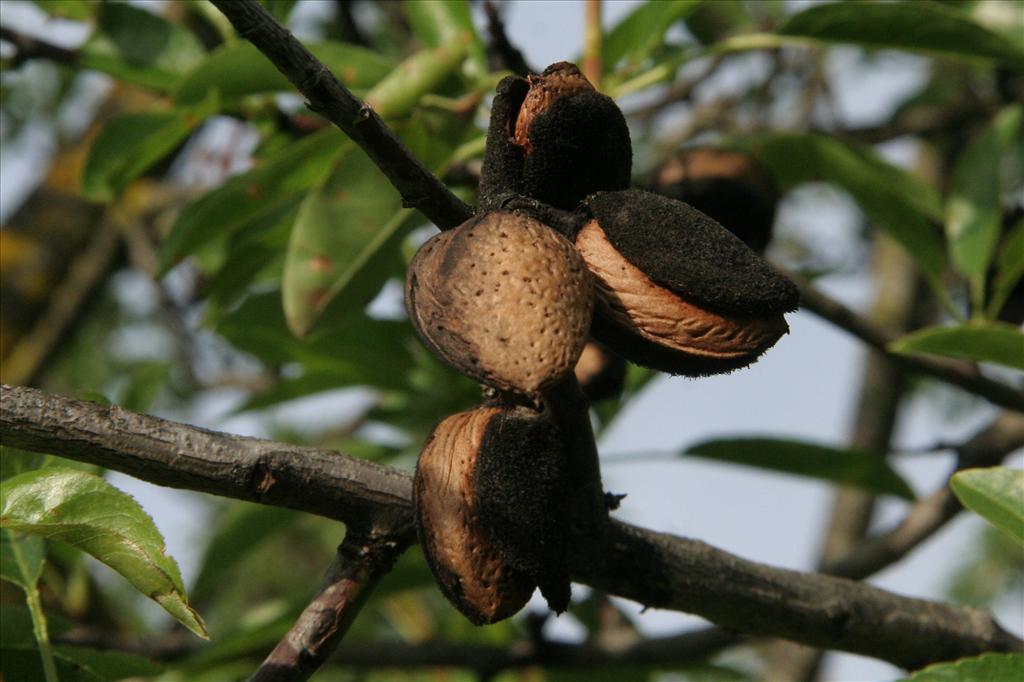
(419,188)
(986,448)
(655,569)
(361,561)
(956,372)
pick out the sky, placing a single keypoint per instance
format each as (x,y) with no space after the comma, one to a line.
(803,388)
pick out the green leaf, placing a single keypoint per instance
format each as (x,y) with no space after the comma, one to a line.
(641,32)
(240,531)
(88,513)
(401,90)
(140,47)
(265,187)
(863,470)
(239,70)
(974,210)
(1009,268)
(21,559)
(981,341)
(349,232)
(893,199)
(913,26)
(337,229)
(989,667)
(130,143)
(440,24)
(997,494)
(355,351)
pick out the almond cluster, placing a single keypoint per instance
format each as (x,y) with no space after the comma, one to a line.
(561,253)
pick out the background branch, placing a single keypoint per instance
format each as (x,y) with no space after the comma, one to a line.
(420,189)
(655,569)
(361,561)
(956,372)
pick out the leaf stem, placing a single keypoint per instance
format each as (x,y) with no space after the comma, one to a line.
(35,608)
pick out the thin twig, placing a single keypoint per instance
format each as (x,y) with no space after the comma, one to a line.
(420,189)
(363,558)
(956,372)
(655,569)
(593,62)
(988,447)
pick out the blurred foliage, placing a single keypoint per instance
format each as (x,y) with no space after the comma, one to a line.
(262,255)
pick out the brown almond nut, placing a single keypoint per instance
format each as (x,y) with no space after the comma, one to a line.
(676,291)
(503,299)
(600,373)
(470,571)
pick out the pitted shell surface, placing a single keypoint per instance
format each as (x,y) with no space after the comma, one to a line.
(504,299)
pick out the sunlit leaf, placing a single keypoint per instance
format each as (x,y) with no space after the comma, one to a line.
(974,210)
(88,513)
(863,470)
(401,90)
(994,667)
(895,200)
(997,494)
(439,24)
(130,143)
(642,31)
(264,188)
(983,342)
(140,47)
(239,70)
(913,26)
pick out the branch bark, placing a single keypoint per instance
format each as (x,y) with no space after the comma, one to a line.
(655,569)
(361,561)
(420,189)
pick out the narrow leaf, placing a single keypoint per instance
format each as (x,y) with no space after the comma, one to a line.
(239,70)
(990,667)
(439,24)
(913,26)
(401,90)
(337,225)
(974,209)
(244,196)
(895,200)
(239,532)
(1009,269)
(863,470)
(89,514)
(997,494)
(642,31)
(355,351)
(982,342)
(140,47)
(129,144)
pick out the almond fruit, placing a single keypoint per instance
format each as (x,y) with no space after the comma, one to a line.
(676,291)
(503,299)
(488,496)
